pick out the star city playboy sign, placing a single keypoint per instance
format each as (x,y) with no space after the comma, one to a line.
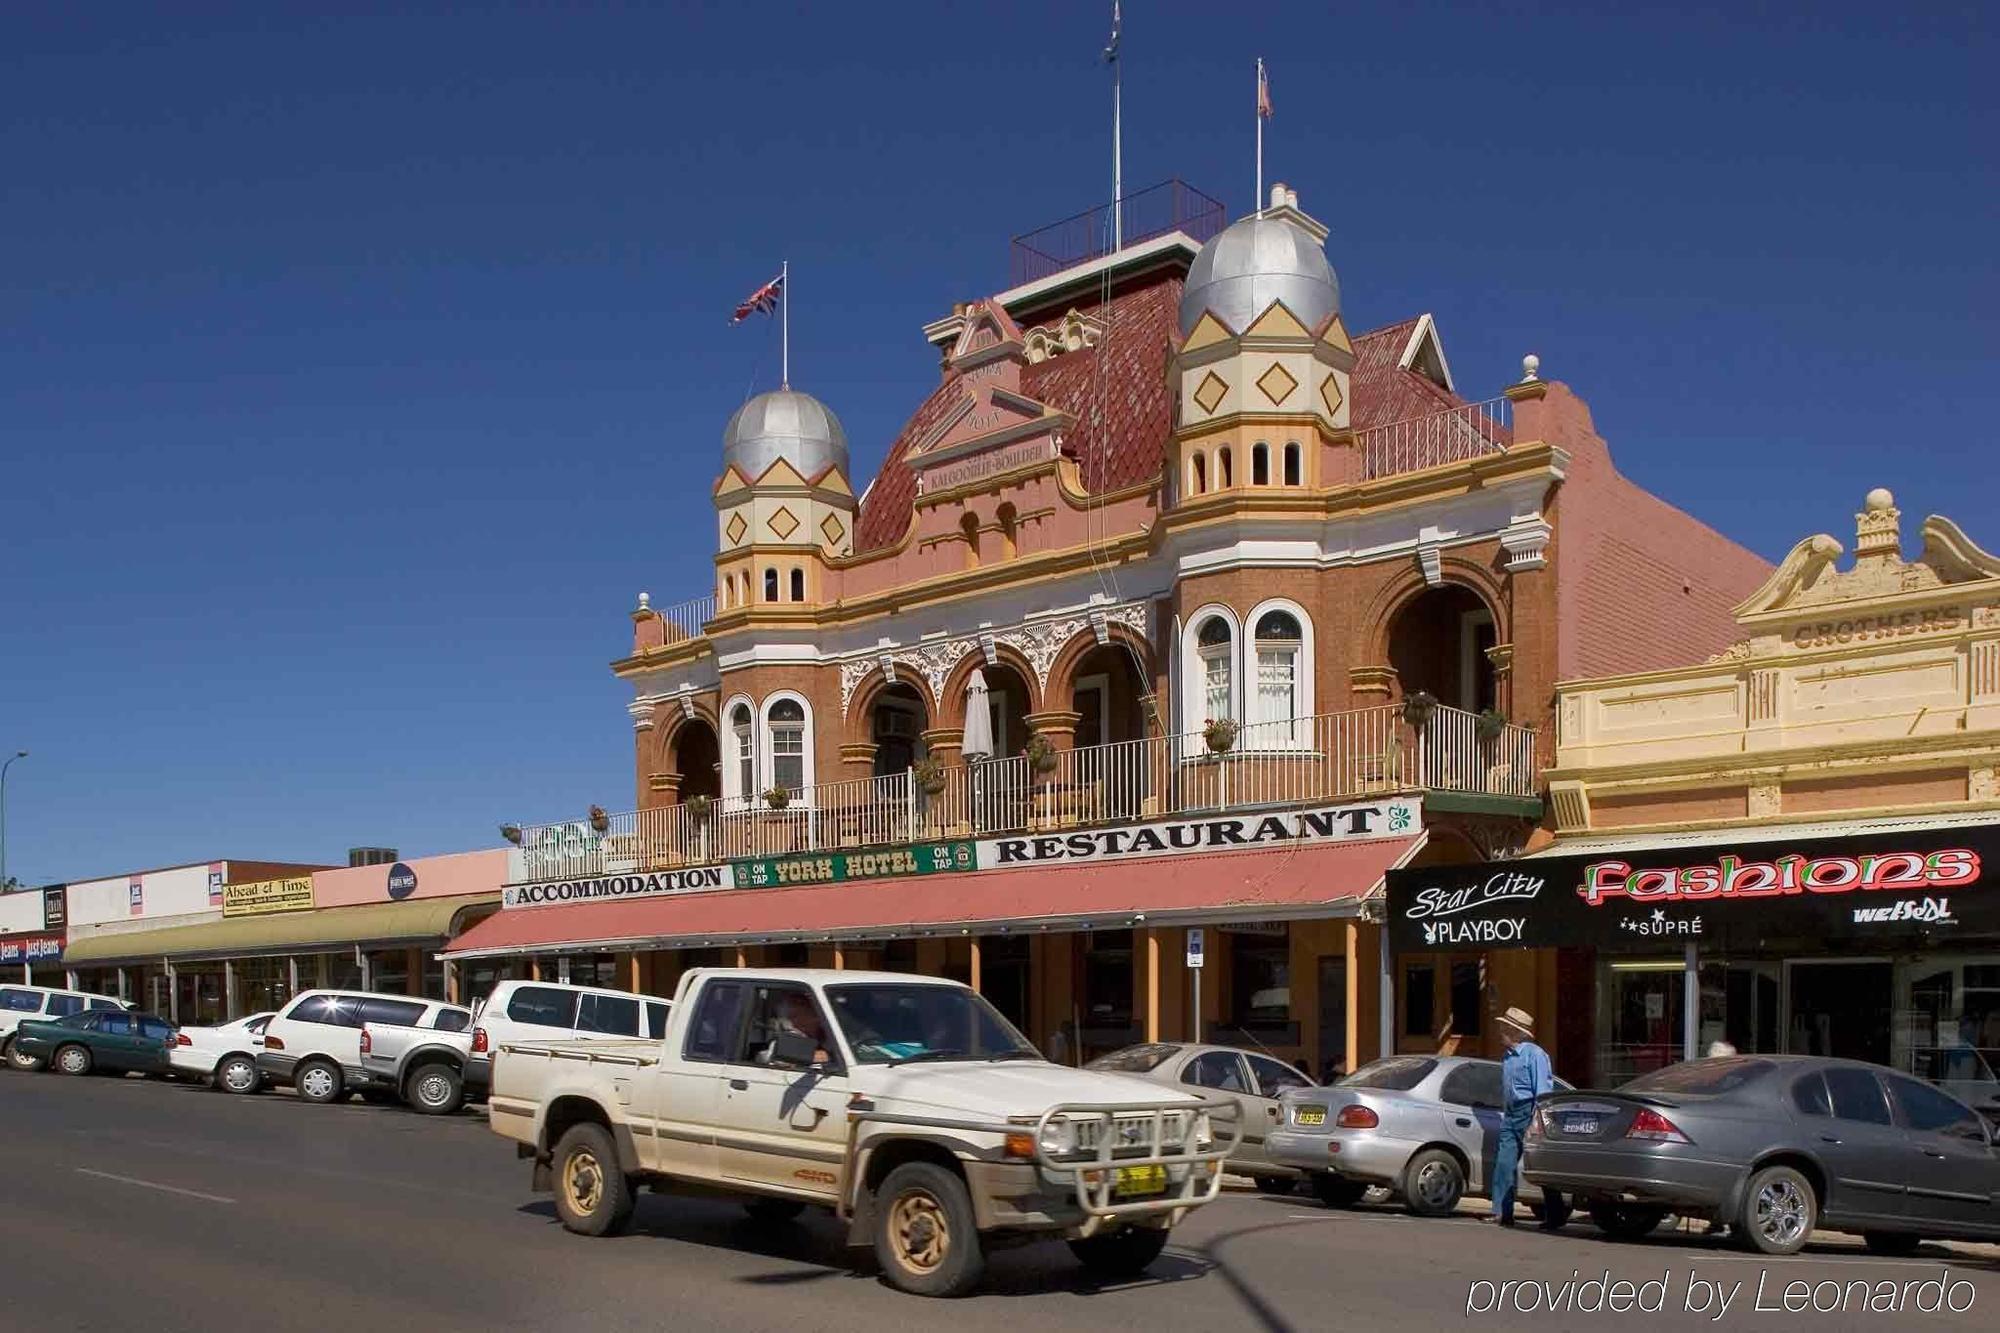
(1914,883)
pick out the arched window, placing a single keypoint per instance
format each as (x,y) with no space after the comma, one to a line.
(743,752)
(1224,476)
(1198,473)
(798,585)
(1294,474)
(788,745)
(1216,652)
(770,585)
(1260,464)
(1278,662)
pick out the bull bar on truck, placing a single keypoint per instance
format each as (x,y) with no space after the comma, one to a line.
(1093,1171)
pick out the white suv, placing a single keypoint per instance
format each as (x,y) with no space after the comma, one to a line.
(314,1043)
(24,1002)
(557,1011)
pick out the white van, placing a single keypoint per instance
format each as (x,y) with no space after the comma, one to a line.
(557,1011)
(24,1002)
(314,1043)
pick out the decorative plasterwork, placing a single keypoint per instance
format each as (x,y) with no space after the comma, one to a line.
(1100,626)
(641,712)
(1210,391)
(1074,332)
(1765,800)
(1430,559)
(782,522)
(735,528)
(830,528)
(888,665)
(687,706)
(1277,384)
(1330,395)
(1526,541)
(1501,655)
(1041,642)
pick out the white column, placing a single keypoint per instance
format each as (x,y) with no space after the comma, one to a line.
(1386,1002)
(1691,1004)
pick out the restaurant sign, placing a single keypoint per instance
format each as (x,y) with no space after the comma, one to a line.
(262,897)
(928,858)
(1391,817)
(16,950)
(609,888)
(1922,883)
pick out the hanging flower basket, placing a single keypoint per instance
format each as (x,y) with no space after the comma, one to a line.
(777,798)
(1419,708)
(1041,754)
(1219,733)
(930,777)
(512,833)
(1491,723)
(599,821)
(698,808)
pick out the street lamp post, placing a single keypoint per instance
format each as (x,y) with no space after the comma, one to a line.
(18,754)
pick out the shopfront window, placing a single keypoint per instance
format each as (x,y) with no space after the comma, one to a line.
(263,984)
(1260,982)
(1947,1025)
(1419,1000)
(389,972)
(1639,1018)
(1468,994)
(1107,991)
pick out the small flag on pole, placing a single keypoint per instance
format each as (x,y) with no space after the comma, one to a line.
(762,301)
(1263,92)
(1117,26)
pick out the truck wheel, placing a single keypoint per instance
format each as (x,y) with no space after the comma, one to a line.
(72,1059)
(593,1193)
(1337,1191)
(924,1234)
(773,1211)
(237,1074)
(436,1089)
(1779,1211)
(1433,1183)
(1125,1253)
(319,1082)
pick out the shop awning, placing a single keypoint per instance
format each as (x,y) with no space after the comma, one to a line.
(419,921)
(1599,844)
(1315,881)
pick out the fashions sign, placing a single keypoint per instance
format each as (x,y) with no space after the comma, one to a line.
(1920,883)
(1394,817)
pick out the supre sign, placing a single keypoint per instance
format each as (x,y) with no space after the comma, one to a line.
(1865,887)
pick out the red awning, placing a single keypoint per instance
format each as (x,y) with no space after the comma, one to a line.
(1322,880)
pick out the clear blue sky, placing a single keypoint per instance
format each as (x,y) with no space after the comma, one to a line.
(357,372)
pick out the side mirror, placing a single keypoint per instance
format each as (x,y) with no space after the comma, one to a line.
(793,1048)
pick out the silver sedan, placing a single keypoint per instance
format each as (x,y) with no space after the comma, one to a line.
(1427,1127)
(1256,1081)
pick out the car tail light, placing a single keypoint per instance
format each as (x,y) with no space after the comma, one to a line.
(1650,1124)
(1357,1117)
(183,1039)
(273,1043)
(479,1041)
(367,1042)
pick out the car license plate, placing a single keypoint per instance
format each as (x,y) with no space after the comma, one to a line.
(1311,1115)
(1132,1181)
(1577,1124)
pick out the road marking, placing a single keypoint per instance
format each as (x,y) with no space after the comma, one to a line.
(151,1185)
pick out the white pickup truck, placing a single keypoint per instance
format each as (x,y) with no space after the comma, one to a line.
(906,1104)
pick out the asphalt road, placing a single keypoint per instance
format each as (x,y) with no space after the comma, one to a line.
(131,1204)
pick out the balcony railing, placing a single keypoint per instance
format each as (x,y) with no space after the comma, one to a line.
(688,620)
(1332,756)
(1172,205)
(1451,436)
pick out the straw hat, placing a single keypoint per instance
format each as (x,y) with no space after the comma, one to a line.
(1519,1019)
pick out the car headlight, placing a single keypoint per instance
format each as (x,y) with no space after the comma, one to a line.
(1059,1138)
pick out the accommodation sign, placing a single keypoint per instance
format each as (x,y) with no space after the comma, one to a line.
(609,888)
(1391,817)
(262,897)
(928,858)
(1921,884)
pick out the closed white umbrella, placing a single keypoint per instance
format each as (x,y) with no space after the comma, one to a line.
(978,743)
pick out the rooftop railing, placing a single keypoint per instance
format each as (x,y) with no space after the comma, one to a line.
(1454,435)
(1172,205)
(1332,756)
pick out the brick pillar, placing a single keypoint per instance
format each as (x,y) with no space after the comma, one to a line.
(1058,724)
(945,744)
(857,759)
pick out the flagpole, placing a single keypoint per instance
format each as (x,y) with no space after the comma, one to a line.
(1258,204)
(1117,133)
(785,319)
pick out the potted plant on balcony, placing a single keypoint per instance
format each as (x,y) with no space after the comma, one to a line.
(1219,734)
(778,797)
(512,833)
(1491,723)
(1419,708)
(930,777)
(600,822)
(698,808)
(1041,754)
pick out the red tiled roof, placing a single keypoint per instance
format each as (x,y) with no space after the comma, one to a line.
(1263,881)
(1120,396)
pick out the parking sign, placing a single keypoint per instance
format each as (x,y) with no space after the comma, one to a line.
(1194,946)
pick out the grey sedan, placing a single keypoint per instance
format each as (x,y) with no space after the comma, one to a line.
(1425,1126)
(1255,1081)
(1774,1146)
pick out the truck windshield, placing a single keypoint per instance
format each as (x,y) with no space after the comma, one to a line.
(887,1023)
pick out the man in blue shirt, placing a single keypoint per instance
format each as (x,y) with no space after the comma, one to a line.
(1525,1074)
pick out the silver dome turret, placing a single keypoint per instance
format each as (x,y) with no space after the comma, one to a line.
(1254,262)
(787,424)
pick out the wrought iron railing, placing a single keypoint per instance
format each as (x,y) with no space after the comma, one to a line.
(1172,205)
(1272,765)
(689,619)
(1471,430)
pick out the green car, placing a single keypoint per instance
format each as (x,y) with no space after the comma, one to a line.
(112,1041)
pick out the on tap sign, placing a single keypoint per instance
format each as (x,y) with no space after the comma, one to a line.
(1866,887)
